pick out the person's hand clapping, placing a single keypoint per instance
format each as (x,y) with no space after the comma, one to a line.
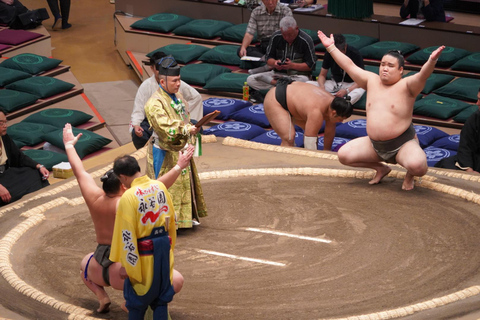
(185,156)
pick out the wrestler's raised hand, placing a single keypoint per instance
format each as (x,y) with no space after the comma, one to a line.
(326,41)
(68,138)
(185,156)
(436,54)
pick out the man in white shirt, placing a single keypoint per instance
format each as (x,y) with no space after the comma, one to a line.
(139,126)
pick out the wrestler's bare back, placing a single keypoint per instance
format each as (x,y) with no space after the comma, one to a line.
(102,210)
(306,101)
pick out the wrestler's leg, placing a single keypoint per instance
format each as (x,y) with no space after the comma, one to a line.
(95,283)
(359,152)
(116,281)
(279,119)
(413,158)
(177,281)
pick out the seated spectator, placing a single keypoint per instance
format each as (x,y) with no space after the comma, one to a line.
(290,53)
(468,153)
(139,126)
(430,10)
(341,84)
(19,174)
(264,21)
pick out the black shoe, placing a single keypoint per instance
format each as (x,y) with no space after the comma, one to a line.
(66,25)
(55,22)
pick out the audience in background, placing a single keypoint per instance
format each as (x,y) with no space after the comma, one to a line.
(468,153)
(291,53)
(264,21)
(430,10)
(64,9)
(19,174)
(341,83)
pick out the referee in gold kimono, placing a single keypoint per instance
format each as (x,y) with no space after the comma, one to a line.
(168,116)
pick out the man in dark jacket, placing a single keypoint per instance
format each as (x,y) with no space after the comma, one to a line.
(19,174)
(468,153)
(430,10)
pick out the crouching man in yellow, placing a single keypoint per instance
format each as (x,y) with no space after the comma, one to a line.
(170,120)
(143,241)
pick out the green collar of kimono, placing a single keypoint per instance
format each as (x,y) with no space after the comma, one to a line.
(175,103)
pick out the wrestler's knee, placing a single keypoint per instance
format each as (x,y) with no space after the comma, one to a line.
(417,167)
(178,281)
(344,155)
(85,261)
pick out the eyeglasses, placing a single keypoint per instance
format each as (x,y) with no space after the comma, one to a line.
(3,123)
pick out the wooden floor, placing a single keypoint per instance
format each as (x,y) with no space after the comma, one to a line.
(88,46)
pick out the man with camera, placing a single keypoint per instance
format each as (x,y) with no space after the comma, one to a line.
(290,53)
(340,85)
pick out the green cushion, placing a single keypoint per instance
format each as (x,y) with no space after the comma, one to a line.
(448,57)
(469,63)
(438,107)
(354,40)
(89,142)
(235,33)
(461,89)
(222,54)
(313,34)
(201,73)
(435,81)
(29,133)
(183,53)
(373,69)
(59,117)
(161,22)
(378,49)
(463,115)
(318,68)
(229,82)
(11,100)
(11,75)
(30,63)
(361,103)
(19,144)
(42,87)
(202,28)
(47,158)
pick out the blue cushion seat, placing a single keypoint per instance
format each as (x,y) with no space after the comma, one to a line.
(236,129)
(271,137)
(226,106)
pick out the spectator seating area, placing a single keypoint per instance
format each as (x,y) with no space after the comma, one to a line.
(207,49)
(40,95)
(14,42)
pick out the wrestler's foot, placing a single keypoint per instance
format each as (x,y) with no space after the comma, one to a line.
(380,174)
(104,305)
(408,182)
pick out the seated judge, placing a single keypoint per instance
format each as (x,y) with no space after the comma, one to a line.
(430,10)
(19,174)
(291,53)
